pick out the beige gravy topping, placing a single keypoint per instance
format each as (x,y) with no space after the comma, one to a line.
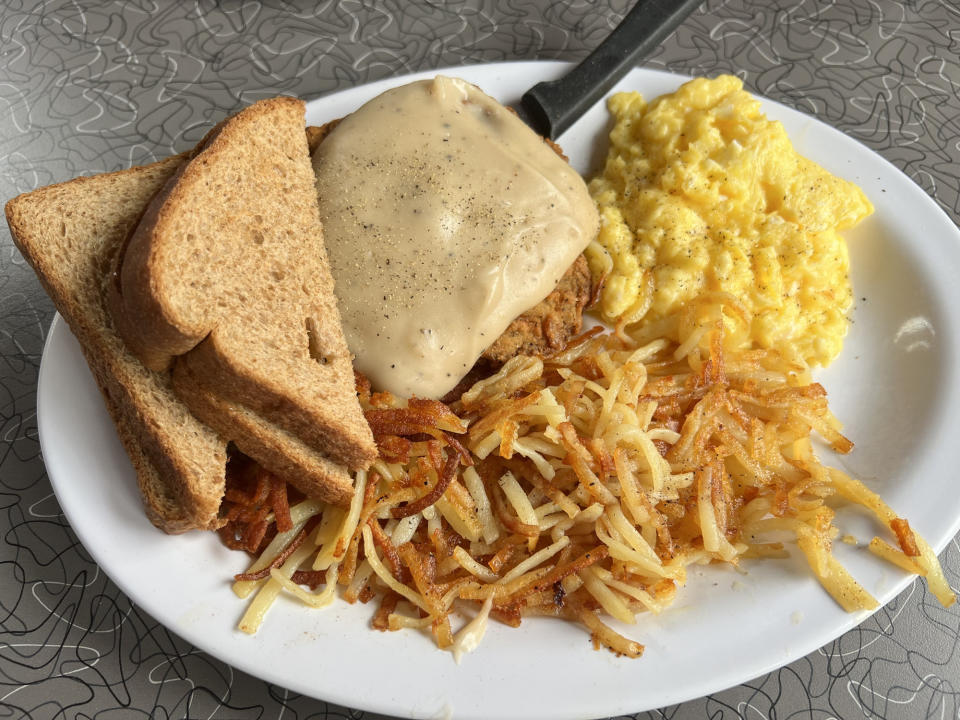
(445,217)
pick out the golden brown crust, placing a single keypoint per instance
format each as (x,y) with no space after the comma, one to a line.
(316,135)
(549,325)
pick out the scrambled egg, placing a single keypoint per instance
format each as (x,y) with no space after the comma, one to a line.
(702,193)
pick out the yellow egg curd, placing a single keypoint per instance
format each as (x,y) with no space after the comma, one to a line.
(702,193)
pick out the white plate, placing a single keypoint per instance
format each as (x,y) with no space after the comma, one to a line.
(892,385)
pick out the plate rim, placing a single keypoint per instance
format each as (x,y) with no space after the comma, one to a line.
(59,326)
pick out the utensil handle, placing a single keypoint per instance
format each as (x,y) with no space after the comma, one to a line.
(553,106)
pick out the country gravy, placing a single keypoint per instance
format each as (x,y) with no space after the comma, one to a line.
(445,217)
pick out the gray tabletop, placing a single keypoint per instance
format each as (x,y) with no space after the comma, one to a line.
(88,86)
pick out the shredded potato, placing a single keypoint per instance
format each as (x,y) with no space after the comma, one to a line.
(583,485)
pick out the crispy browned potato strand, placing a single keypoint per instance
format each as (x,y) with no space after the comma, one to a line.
(581,486)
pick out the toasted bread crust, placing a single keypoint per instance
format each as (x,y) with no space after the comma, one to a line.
(279,404)
(68,232)
(126,315)
(125,318)
(310,472)
(227,273)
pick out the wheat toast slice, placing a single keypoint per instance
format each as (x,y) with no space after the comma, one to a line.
(225,279)
(69,233)
(310,472)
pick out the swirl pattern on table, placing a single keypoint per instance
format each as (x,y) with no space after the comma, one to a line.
(87,87)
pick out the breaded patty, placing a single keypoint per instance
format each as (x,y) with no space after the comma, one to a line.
(548,326)
(544,328)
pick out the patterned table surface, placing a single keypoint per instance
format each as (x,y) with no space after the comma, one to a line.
(88,86)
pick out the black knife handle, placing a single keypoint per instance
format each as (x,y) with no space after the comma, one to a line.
(553,106)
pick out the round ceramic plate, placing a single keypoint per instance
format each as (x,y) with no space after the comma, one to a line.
(893,386)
